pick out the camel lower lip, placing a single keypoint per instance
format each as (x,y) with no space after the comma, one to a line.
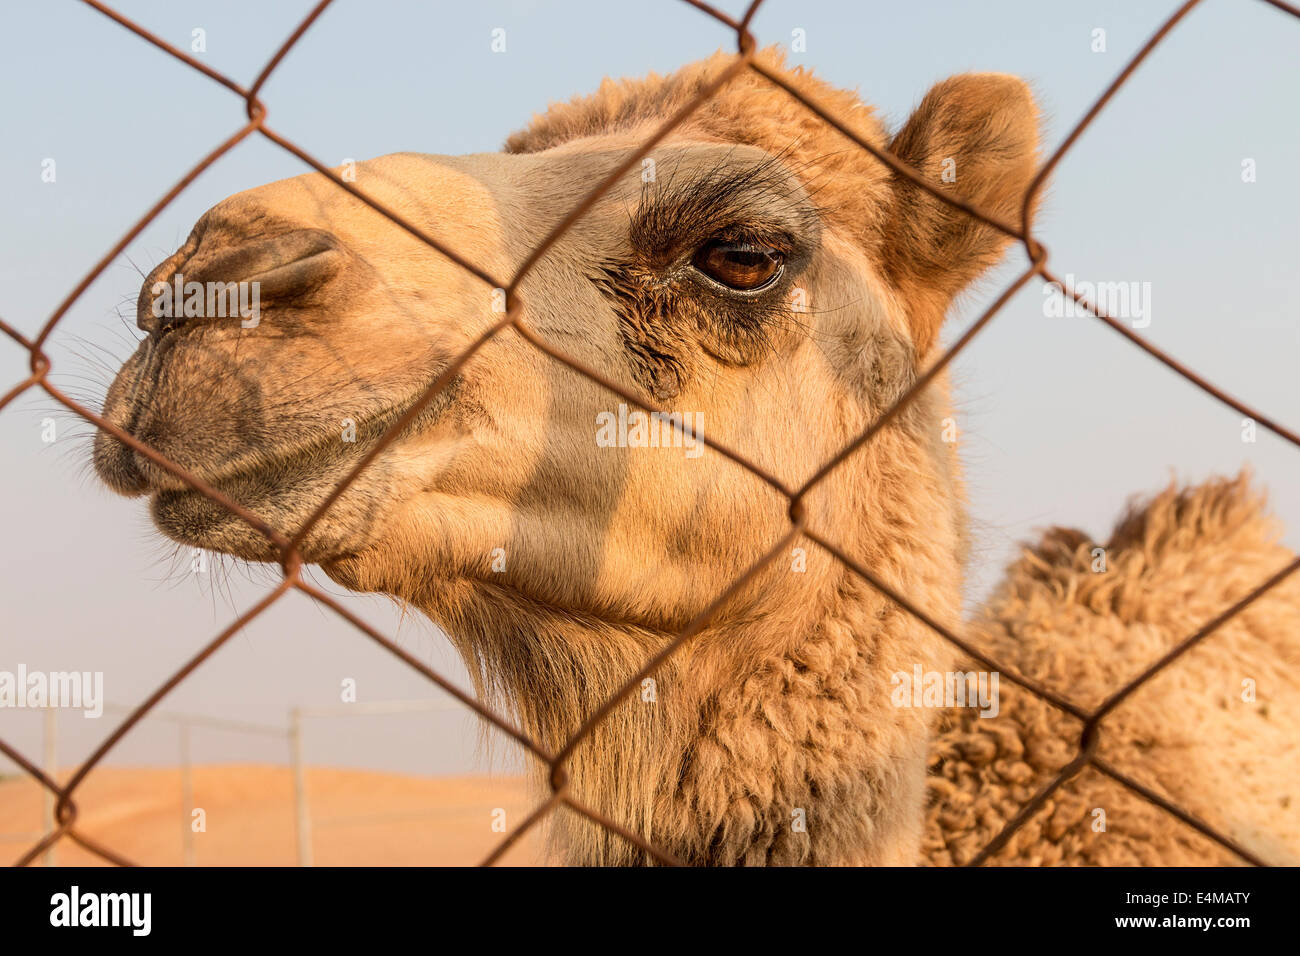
(192,518)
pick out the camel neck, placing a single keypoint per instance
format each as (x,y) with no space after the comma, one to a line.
(745,747)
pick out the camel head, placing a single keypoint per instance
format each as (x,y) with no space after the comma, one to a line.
(762,279)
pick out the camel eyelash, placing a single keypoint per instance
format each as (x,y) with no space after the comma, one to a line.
(763,204)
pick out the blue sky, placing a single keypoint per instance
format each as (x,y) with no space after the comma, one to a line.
(1061,419)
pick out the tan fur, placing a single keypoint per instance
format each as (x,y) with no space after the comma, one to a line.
(780,708)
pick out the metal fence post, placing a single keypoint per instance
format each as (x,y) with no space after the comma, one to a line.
(187,796)
(50,734)
(302,814)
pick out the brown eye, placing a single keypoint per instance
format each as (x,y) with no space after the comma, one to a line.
(738,265)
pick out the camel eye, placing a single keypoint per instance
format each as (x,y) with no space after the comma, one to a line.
(739,265)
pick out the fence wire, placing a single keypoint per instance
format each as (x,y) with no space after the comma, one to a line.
(288,547)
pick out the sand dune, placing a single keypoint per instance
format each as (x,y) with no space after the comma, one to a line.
(358,818)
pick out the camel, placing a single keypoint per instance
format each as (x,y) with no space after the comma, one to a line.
(775,288)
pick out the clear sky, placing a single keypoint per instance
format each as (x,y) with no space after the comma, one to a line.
(1061,419)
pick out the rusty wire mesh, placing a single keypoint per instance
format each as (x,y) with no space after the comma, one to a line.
(288,547)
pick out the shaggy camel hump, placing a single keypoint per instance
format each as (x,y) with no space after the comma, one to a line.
(1214,732)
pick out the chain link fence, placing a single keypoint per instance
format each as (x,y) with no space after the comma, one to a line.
(287,546)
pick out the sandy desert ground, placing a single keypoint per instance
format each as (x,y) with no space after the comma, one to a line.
(358,818)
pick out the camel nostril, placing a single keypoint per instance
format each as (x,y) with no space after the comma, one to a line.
(299,277)
(217,275)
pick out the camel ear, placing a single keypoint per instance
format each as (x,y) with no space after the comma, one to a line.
(977,135)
